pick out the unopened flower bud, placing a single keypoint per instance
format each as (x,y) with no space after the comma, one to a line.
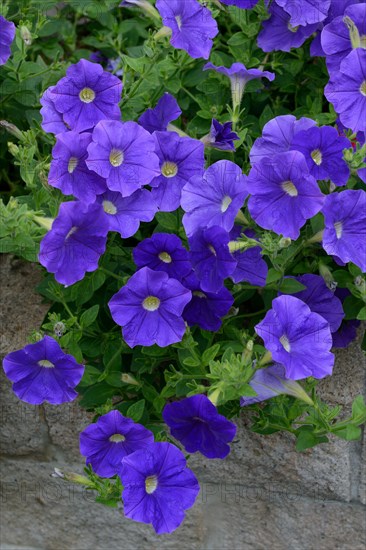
(129,379)
(26,35)
(13,149)
(285,242)
(12,129)
(59,329)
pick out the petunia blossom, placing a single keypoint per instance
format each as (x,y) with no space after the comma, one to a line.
(124,214)
(271,381)
(221,136)
(211,258)
(283,194)
(163,252)
(346,90)
(149,308)
(180,159)
(239,75)
(112,437)
(279,34)
(158,118)
(42,372)
(7,35)
(323,151)
(192,26)
(158,486)
(52,119)
(320,299)
(196,423)
(206,309)
(298,338)
(123,153)
(214,198)
(345,226)
(76,241)
(305,12)
(251,266)
(278,135)
(68,170)
(86,95)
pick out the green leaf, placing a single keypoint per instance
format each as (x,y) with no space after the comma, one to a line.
(89,316)
(362,314)
(291,286)
(136,410)
(350,432)
(352,307)
(306,439)
(273,275)
(191,362)
(209,354)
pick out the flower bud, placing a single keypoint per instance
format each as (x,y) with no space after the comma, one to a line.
(25,35)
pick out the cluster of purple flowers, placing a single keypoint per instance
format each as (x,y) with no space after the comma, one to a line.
(157,485)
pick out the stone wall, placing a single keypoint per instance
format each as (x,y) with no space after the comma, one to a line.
(263,495)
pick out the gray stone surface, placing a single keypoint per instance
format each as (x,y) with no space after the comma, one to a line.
(263,495)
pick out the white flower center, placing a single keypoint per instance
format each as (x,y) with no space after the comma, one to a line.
(87,95)
(46,364)
(73,162)
(289,188)
(151,303)
(285,343)
(151,483)
(226,201)
(71,232)
(199,294)
(363,41)
(363,88)
(317,156)
(117,438)
(109,207)
(116,157)
(211,249)
(291,28)
(338,226)
(179,21)
(169,169)
(165,257)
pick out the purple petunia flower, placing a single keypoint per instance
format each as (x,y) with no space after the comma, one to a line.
(192,25)
(195,422)
(305,12)
(346,334)
(270,382)
(124,214)
(163,252)
(323,151)
(343,34)
(206,309)
(52,120)
(149,308)
(86,95)
(68,171)
(111,438)
(277,136)
(43,372)
(180,159)
(320,299)
(283,194)
(210,257)
(345,226)
(123,154)
(251,266)
(242,4)
(278,33)
(221,136)
(298,339)
(7,35)
(346,90)
(158,486)
(214,198)
(239,75)
(75,242)
(158,118)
